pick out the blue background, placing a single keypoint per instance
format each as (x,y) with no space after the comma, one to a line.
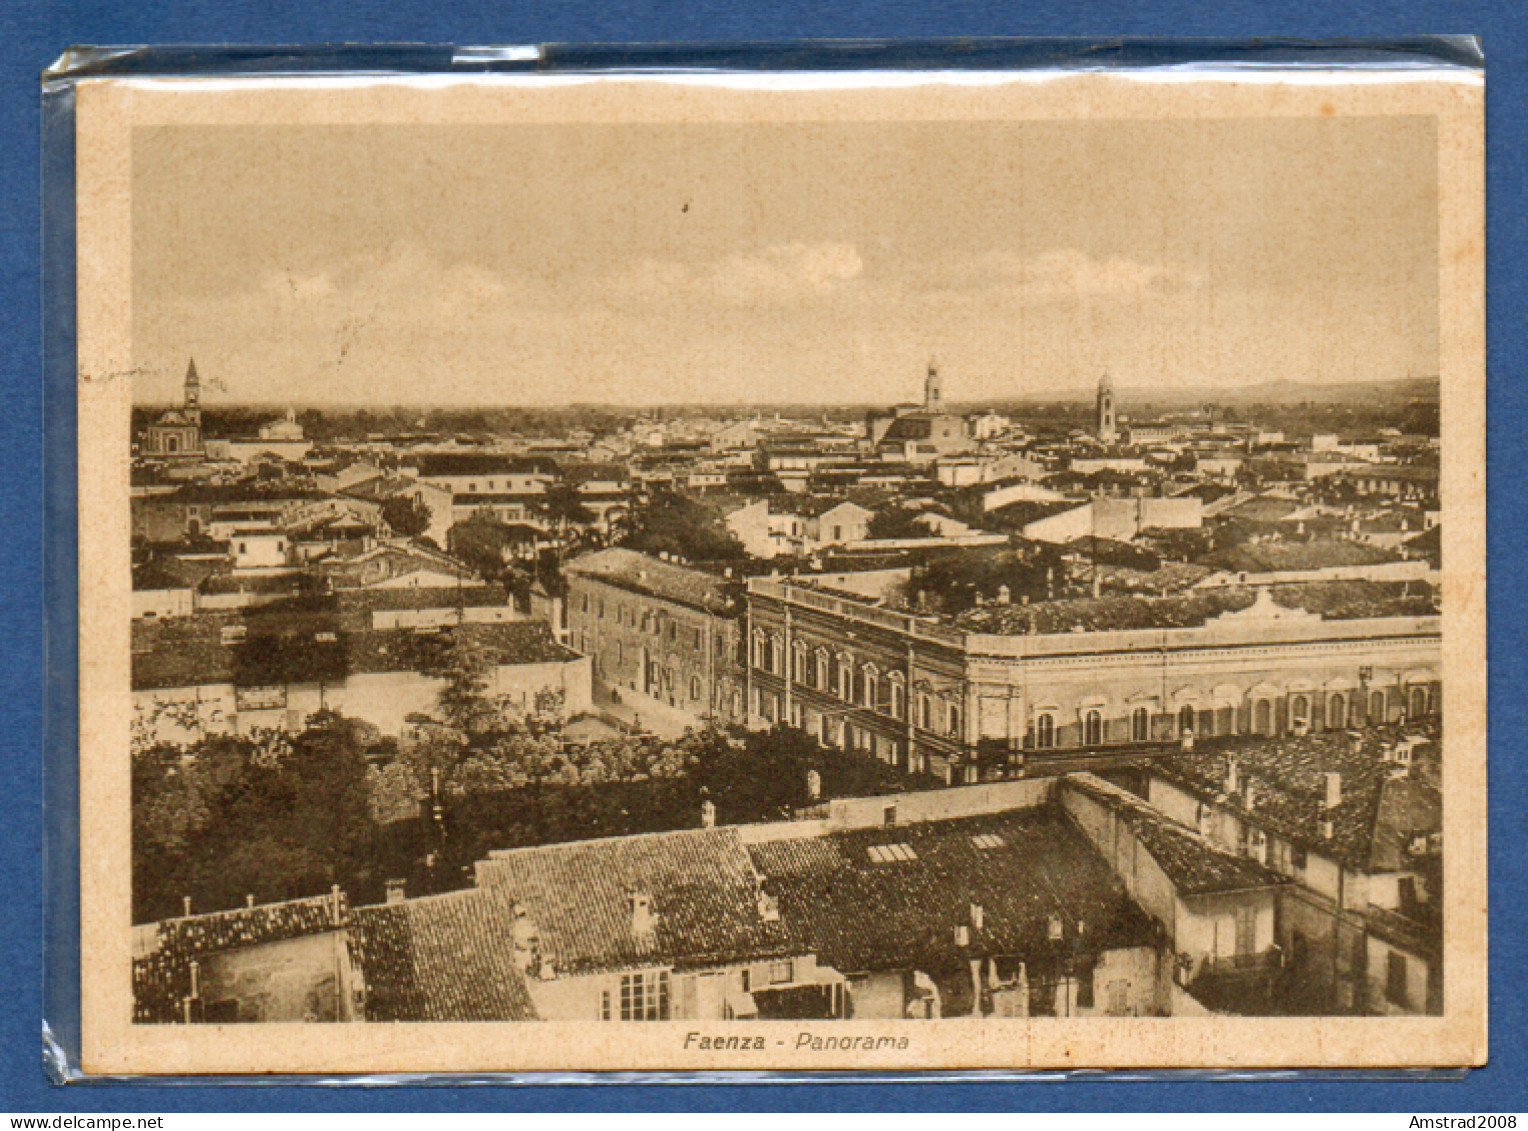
(33,35)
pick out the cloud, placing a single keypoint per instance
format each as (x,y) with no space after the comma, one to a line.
(783,274)
(1060,273)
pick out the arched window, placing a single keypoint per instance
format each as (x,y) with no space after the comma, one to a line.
(845,677)
(1206,725)
(798,662)
(1262,717)
(1186,720)
(809,668)
(695,688)
(857,691)
(1092,728)
(1337,711)
(885,693)
(1140,725)
(954,716)
(1418,703)
(824,663)
(1299,711)
(1045,732)
(898,699)
(870,684)
(925,711)
(1377,707)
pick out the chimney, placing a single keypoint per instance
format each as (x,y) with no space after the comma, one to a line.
(185,906)
(1333,790)
(1249,791)
(978,916)
(769,907)
(396,891)
(249,900)
(1233,778)
(644,921)
(1206,820)
(1328,830)
(962,935)
(1054,928)
(708,814)
(526,939)
(1004,595)
(813,785)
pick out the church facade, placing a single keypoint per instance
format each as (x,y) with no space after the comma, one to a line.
(919,434)
(177,433)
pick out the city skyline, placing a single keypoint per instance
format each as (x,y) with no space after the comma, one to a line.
(823,262)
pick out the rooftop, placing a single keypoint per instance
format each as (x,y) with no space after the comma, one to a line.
(1287,777)
(890,897)
(640,573)
(1194,863)
(700,883)
(442,958)
(190,652)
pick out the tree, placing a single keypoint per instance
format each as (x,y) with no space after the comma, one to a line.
(563,505)
(896,523)
(674,524)
(408,515)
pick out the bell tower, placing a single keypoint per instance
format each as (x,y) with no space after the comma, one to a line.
(1108,429)
(933,388)
(191,400)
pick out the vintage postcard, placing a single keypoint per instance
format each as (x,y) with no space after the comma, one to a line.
(782,572)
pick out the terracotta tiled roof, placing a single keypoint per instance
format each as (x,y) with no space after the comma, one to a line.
(1289,784)
(1335,600)
(1271,557)
(654,577)
(700,882)
(162,979)
(442,958)
(1194,863)
(891,897)
(189,652)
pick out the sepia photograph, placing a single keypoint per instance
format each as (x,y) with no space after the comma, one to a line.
(853,575)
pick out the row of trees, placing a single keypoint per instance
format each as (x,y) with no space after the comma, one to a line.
(280,816)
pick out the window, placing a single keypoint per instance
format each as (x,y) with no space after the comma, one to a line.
(644,997)
(1418,703)
(925,712)
(1395,979)
(953,714)
(1246,930)
(1377,707)
(745,979)
(898,700)
(845,677)
(890,853)
(1045,732)
(1186,720)
(1085,985)
(1140,725)
(1299,711)
(695,688)
(1092,728)
(1337,712)
(1262,717)
(781,973)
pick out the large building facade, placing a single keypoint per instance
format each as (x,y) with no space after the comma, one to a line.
(663,638)
(968,706)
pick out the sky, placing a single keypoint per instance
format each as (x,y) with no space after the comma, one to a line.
(736,263)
